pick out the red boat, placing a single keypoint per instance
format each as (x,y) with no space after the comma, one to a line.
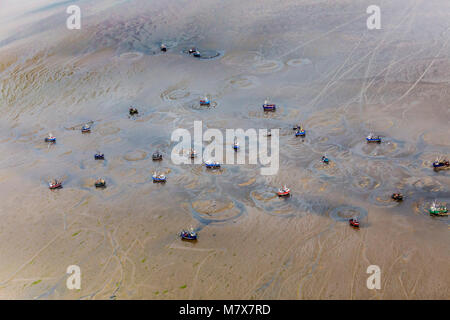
(354,222)
(54,185)
(284,192)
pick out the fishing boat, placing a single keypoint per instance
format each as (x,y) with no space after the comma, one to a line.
(441,164)
(284,192)
(373,138)
(86,128)
(300,132)
(157,156)
(397,196)
(438,209)
(196,54)
(100,183)
(50,138)
(133,111)
(205,101)
(325,160)
(163,48)
(188,235)
(99,156)
(212,164)
(268,106)
(354,222)
(55,184)
(158,177)
(235,145)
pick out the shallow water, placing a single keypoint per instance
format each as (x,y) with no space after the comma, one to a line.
(321,66)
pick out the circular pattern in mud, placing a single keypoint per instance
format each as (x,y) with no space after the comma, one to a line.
(174,94)
(135,155)
(298,62)
(330,170)
(363,183)
(216,210)
(382,198)
(344,213)
(131,56)
(385,149)
(243,82)
(268,200)
(267,66)
(240,58)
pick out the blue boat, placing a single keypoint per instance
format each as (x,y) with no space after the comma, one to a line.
(440,164)
(159,178)
(212,164)
(50,138)
(269,106)
(373,138)
(235,145)
(86,128)
(325,160)
(196,54)
(188,235)
(99,156)
(300,133)
(192,154)
(205,101)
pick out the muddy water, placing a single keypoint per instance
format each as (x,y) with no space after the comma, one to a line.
(322,67)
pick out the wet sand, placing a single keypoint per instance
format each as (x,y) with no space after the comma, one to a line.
(322,67)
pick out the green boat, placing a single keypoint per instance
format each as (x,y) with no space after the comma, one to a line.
(438,209)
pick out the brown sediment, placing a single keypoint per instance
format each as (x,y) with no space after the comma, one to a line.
(339,83)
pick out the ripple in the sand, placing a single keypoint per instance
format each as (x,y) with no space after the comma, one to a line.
(244,82)
(131,56)
(298,62)
(216,210)
(135,155)
(343,213)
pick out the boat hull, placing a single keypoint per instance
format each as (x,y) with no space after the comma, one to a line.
(269,107)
